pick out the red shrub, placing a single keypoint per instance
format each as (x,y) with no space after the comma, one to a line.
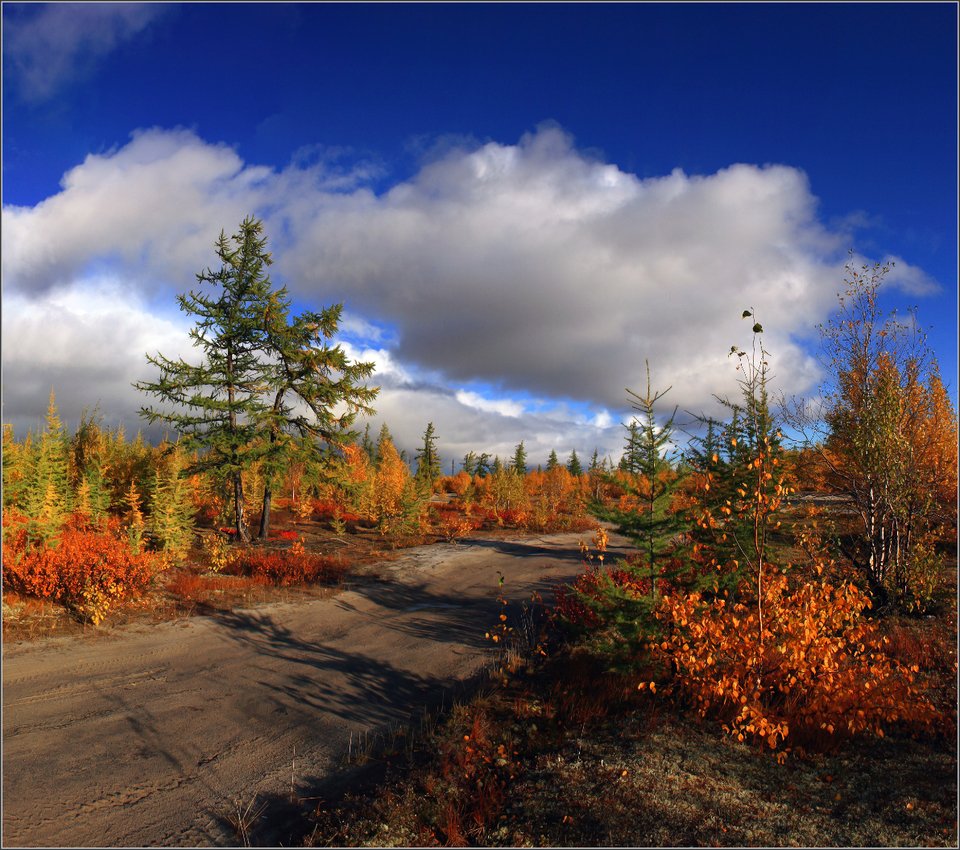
(285,568)
(571,606)
(447,507)
(88,568)
(324,508)
(190,586)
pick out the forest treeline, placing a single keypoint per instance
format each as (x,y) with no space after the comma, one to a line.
(745,601)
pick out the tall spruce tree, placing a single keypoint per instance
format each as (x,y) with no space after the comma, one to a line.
(573,464)
(269,385)
(218,405)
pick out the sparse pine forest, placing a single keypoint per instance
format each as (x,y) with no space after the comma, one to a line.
(793,570)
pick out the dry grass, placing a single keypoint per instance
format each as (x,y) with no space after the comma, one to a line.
(594,763)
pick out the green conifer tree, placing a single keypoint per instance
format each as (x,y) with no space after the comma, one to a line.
(218,405)
(428,460)
(367,444)
(49,500)
(519,464)
(316,390)
(482,465)
(171,521)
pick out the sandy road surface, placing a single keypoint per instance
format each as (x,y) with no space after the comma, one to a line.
(146,736)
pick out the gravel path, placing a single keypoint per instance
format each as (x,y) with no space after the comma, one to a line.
(150,735)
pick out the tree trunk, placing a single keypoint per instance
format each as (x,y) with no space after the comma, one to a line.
(243,535)
(265,513)
(267,487)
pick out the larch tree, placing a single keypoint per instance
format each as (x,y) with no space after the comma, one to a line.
(317,392)
(170,525)
(48,497)
(218,405)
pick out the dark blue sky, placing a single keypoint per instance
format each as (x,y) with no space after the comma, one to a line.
(862,98)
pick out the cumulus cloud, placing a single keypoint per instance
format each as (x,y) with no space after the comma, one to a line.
(48,44)
(465,422)
(531,267)
(88,344)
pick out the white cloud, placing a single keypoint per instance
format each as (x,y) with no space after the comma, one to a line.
(88,344)
(48,44)
(462,427)
(910,280)
(530,267)
(502,406)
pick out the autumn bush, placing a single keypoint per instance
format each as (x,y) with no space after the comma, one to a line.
(284,568)
(89,568)
(815,672)
(193,587)
(476,769)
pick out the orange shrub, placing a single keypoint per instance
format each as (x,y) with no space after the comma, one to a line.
(816,672)
(88,569)
(459,483)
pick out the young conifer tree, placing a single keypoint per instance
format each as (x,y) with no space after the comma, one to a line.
(428,460)
(48,499)
(170,525)
(519,464)
(651,526)
(649,523)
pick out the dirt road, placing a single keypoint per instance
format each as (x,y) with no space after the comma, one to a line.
(150,735)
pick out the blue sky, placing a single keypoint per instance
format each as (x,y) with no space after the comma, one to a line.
(517,203)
